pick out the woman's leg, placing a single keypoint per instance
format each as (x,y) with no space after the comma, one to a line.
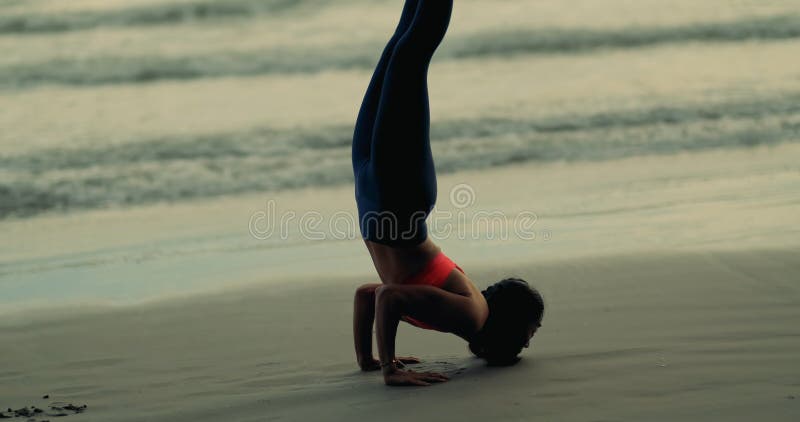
(362,136)
(401,160)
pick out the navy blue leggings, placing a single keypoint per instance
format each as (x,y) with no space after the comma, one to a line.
(395,180)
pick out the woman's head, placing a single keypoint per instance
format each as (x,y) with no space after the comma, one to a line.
(515,313)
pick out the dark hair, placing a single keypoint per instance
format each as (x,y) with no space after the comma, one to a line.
(513,307)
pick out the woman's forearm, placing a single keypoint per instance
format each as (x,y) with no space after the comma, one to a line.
(387,317)
(363,319)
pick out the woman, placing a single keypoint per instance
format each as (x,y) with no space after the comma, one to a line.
(395,186)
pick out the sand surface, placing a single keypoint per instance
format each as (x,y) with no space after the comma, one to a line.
(676,298)
(700,336)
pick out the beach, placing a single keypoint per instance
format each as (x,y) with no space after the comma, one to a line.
(625,338)
(701,324)
(177,215)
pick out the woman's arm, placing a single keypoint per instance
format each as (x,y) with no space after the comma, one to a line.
(447,311)
(363,318)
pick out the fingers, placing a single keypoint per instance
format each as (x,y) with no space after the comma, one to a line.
(432,377)
(371,366)
(419,380)
(434,373)
(437,376)
(429,375)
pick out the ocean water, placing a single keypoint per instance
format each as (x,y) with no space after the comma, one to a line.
(111,103)
(123,124)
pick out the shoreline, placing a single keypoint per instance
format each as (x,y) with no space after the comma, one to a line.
(37,315)
(735,199)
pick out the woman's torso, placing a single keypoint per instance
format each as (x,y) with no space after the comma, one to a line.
(396,265)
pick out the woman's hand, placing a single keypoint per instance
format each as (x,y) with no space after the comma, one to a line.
(373,364)
(410,377)
(370,364)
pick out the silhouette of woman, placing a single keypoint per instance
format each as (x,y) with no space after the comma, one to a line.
(395,189)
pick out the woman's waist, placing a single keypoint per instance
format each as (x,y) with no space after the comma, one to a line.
(435,271)
(401,261)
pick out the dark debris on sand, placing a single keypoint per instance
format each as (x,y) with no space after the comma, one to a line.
(32,412)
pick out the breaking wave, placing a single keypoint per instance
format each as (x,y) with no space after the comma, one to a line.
(179,168)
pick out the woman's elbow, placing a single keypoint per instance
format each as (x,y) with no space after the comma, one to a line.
(386,296)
